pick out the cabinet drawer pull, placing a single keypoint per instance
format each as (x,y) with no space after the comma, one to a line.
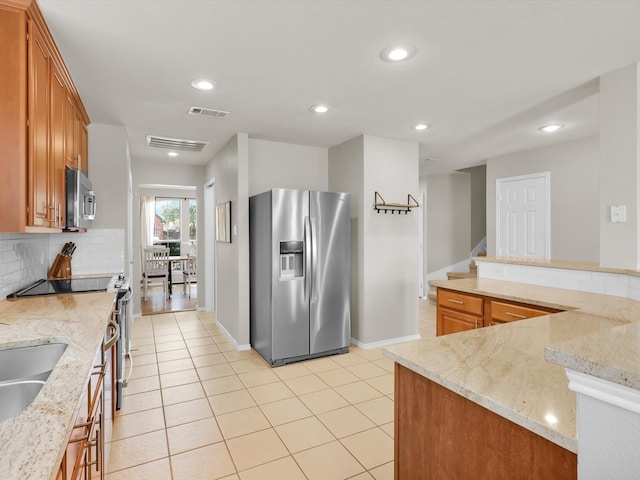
(517,315)
(459,302)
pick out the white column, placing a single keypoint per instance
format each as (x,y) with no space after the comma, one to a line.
(619,166)
(608,428)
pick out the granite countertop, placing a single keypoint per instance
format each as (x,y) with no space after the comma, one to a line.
(565,264)
(505,369)
(32,443)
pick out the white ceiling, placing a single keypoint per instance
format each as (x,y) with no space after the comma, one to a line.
(485,76)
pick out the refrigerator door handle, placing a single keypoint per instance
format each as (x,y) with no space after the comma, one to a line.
(308,269)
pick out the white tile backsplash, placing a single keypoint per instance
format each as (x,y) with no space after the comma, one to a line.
(25,258)
(616,284)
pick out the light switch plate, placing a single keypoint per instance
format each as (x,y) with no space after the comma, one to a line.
(618,213)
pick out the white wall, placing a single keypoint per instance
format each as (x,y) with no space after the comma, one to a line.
(110,175)
(109,172)
(448,220)
(575,184)
(619,166)
(230,168)
(283,165)
(346,174)
(169,174)
(478,199)
(390,242)
(384,246)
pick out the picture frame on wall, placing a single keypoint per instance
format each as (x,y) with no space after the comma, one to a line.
(223,222)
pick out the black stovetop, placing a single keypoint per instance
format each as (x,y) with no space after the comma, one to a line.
(71,285)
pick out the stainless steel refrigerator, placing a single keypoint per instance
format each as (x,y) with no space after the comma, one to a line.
(300,274)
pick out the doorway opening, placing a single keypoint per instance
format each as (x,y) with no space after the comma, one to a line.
(170,223)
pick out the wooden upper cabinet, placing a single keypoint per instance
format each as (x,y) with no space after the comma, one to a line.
(39,130)
(71,146)
(76,138)
(37,127)
(57,150)
(83,149)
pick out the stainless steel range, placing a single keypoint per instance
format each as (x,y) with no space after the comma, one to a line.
(115,283)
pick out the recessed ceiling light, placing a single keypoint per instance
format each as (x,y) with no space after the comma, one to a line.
(552,127)
(319,108)
(398,53)
(420,126)
(202,84)
(173,154)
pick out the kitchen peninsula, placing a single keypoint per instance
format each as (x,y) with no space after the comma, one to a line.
(486,403)
(32,444)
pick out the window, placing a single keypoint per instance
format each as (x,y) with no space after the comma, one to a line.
(171,214)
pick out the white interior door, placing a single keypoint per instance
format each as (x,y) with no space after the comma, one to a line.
(523,218)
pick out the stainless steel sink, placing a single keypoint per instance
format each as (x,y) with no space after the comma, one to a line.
(23,373)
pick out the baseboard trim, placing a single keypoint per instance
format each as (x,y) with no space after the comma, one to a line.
(232,340)
(384,343)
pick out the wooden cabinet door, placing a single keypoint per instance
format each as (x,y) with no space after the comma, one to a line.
(83,148)
(57,150)
(449,321)
(38,130)
(458,312)
(70,145)
(70,148)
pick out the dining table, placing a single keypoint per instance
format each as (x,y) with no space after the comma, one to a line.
(181,259)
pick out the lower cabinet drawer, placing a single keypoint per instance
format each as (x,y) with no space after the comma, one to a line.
(460,301)
(506,312)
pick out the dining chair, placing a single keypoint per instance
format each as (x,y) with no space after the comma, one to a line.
(156,266)
(189,274)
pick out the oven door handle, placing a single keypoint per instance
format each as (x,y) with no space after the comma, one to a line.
(116,335)
(127,297)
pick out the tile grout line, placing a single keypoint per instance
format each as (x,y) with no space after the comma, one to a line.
(210,333)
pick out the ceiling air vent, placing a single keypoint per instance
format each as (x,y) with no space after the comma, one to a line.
(175,143)
(208,112)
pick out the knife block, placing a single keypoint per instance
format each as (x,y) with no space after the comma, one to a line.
(61,267)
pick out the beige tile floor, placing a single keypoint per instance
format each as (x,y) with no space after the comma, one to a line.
(197,409)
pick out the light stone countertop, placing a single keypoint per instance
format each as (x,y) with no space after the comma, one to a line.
(565,264)
(503,368)
(32,443)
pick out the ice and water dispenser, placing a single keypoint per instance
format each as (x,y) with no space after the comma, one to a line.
(291,259)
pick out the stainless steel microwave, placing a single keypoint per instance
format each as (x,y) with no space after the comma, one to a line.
(81,201)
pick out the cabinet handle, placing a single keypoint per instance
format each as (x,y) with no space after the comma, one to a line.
(476,323)
(459,302)
(95,442)
(515,315)
(51,216)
